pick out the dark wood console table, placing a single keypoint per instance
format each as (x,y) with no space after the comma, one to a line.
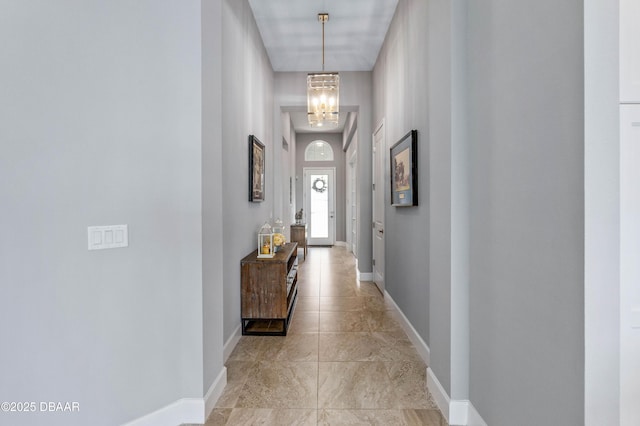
(268,291)
(299,235)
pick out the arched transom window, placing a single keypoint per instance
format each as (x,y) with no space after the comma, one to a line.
(318,151)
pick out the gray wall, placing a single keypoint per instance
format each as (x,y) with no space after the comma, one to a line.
(498,104)
(247,99)
(526,132)
(400,98)
(212,189)
(449,195)
(101,124)
(335,140)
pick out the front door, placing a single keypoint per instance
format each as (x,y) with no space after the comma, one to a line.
(378,206)
(319,201)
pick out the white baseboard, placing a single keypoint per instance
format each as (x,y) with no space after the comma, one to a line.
(474,418)
(418,342)
(231,343)
(364,276)
(438,393)
(185,410)
(214,392)
(456,412)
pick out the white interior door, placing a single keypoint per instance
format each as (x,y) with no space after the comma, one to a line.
(379,152)
(319,200)
(629,265)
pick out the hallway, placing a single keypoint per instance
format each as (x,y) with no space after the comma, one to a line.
(344,361)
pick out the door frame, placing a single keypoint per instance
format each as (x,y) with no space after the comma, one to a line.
(351,210)
(306,201)
(378,223)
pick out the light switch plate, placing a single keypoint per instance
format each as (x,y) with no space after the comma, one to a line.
(105,237)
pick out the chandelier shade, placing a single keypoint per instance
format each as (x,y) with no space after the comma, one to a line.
(323,99)
(323,92)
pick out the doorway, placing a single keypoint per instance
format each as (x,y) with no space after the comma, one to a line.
(379,151)
(352,207)
(319,202)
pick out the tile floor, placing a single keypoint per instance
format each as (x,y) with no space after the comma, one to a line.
(345,360)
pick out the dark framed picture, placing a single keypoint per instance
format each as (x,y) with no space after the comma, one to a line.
(256,170)
(404,171)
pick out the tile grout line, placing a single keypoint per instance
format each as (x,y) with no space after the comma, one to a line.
(318,359)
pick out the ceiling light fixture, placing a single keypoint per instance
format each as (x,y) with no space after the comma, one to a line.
(323,92)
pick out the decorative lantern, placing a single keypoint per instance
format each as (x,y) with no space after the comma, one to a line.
(278,234)
(265,241)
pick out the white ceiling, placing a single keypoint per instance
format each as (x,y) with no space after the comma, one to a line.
(292,33)
(292,36)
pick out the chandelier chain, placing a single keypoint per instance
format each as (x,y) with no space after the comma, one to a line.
(323,17)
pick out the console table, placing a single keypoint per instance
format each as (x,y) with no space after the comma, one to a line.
(299,235)
(268,291)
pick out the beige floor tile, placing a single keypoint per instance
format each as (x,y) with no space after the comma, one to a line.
(218,417)
(343,321)
(248,348)
(373,346)
(285,384)
(424,418)
(295,347)
(304,322)
(354,385)
(346,273)
(368,289)
(230,395)
(272,417)
(295,417)
(307,303)
(308,289)
(410,384)
(310,273)
(374,304)
(397,347)
(237,372)
(337,290)
(338,270)
(249,416)
(383,321)
(347,347)
(341,304)
(380,417)
(344,354)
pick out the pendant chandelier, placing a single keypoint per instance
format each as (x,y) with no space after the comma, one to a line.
(323,92)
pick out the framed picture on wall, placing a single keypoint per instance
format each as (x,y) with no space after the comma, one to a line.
(256,170)
(404,171)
